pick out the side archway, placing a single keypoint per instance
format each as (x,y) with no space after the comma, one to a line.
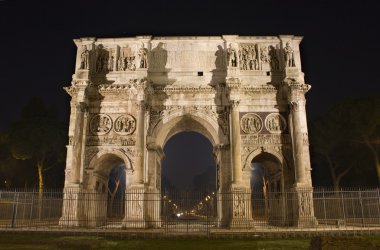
(109,174)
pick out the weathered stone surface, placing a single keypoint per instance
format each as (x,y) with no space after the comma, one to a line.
(246,94)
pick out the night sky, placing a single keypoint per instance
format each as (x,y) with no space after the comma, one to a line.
(340,52)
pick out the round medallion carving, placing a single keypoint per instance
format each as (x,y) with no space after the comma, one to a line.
(100,124)
(275,123)
(251,123)
(125,125)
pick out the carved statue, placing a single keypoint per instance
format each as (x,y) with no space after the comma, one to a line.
(84,59)
(143,57)
(264,54)
(231,57)
(101,59)
(110,64)
(273,59)
(252,61)
(121,64)
(289,56)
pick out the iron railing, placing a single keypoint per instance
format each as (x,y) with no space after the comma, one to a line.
(190,211)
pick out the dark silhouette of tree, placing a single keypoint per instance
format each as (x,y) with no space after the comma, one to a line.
(40,137)
(346,136)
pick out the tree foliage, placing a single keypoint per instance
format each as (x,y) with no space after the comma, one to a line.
(344,140)
(38,136)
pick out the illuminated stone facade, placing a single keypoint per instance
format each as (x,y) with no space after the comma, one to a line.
(246,94)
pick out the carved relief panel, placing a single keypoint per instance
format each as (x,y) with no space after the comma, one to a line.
(263,123)
(111,129)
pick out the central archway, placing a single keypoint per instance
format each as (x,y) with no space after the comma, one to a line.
(188,183)
(208,128)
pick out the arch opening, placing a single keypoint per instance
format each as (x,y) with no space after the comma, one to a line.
(267,186)
(116,191)
(188,176)
(110,180)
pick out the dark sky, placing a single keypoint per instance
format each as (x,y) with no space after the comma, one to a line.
(340,51)
(180,166)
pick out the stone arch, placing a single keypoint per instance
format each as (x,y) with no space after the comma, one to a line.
(102,163)
(258,151)
(184,120)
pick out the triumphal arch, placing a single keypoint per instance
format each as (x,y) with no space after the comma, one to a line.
(129,96)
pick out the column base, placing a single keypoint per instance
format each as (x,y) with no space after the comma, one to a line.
(303,207)
(135,199)
(72,208)
(241,207)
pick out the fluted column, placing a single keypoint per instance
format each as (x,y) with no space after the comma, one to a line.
(301,147)
(236,143)
(78,142)
(139,163)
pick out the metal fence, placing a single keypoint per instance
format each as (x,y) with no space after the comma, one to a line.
(187,212)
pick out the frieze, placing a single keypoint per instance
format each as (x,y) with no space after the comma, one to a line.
(184,90)
(251,123)
(275,123)
(263,139)
(110,140)
(100,124)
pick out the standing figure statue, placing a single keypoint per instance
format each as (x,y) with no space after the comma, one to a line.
(143,57)
(289,56)
(231,57)
(110,63)
(84,58)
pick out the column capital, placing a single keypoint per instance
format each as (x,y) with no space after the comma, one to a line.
(234,104)
(81,107)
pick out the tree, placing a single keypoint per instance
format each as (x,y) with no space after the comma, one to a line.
(40,137)
(343,136)
(364,125)
(326,136)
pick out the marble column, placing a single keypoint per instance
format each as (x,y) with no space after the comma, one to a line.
(303,209)
(80,119)
(236,143)
(301,149)
(139,165)
(135,208)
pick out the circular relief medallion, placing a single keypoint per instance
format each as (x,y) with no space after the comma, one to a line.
(100,124)
(251,123)
(275,123)
(125,125)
